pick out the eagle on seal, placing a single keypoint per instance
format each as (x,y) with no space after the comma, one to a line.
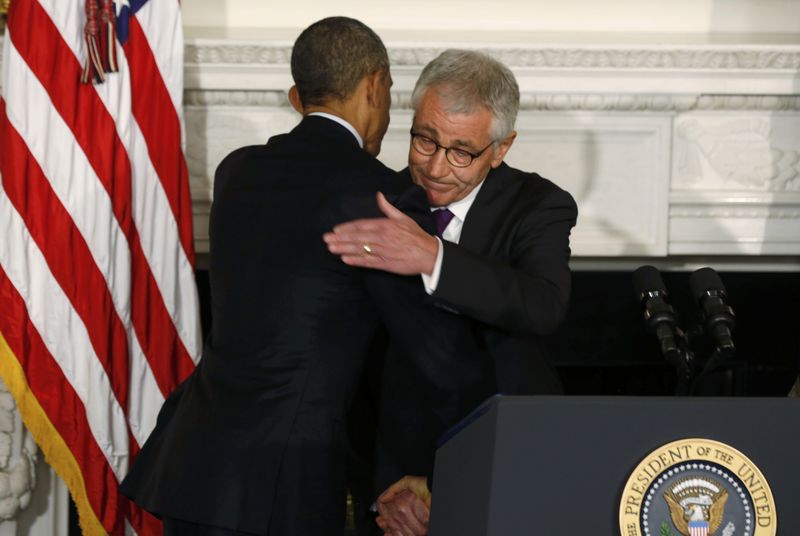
(696,503)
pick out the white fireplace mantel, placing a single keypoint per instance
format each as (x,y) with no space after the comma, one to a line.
(671,150)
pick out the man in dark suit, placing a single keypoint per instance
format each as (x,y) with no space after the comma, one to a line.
(254,442)
(502,258)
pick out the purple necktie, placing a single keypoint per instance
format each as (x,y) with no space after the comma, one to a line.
(442,217)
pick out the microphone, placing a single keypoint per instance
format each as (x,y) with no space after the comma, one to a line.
(718,316)
(660,317)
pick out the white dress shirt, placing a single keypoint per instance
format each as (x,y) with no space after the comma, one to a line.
(451,233)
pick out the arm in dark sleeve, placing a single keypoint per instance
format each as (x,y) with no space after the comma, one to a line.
(435,371)
(440,346)
(529,291)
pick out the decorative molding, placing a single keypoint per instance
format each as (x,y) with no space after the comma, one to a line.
(734,198)
(199,97)
(649,58)
(555,69)
(769,103)
(734,212)
(552,77)
(401,100)
(601,102)
(216,52)
(705,57)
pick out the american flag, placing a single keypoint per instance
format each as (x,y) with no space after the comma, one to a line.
(98,303)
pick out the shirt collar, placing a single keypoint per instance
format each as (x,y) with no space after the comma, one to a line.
(461,207)
(345,124)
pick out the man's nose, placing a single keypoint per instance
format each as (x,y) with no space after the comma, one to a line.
(437,164)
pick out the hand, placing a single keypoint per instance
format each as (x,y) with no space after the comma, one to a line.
(404,508)
(396,243)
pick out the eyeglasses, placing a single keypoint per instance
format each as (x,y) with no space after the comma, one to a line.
(457,157)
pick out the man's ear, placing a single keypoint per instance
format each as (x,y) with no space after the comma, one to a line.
(294,99)
(373,86)
(502,149)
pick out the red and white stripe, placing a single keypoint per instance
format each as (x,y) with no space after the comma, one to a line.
(97,291)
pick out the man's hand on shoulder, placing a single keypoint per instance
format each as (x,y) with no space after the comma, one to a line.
(404,508)
(394,244)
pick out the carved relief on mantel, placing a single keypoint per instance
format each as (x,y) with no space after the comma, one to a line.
(736,183)
(753,152)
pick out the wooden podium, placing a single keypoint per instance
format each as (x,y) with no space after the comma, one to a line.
(595,466)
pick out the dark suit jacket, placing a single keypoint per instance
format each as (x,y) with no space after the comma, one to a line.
(254,439)
(510,274)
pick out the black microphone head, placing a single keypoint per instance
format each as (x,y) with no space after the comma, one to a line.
(646,281)
(704,281)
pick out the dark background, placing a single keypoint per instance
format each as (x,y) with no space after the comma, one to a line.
(603,347)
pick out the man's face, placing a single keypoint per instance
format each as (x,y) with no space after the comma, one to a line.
(443,182)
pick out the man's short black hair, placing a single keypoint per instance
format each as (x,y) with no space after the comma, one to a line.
(331,57)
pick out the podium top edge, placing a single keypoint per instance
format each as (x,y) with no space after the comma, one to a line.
(627,404)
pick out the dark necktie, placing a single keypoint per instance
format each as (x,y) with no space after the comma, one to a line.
(442,217)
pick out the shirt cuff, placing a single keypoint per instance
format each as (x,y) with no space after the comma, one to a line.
(432,281)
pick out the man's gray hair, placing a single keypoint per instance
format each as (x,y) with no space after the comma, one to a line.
(331,56)
(468,79)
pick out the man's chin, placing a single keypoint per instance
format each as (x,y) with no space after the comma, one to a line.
(438,199)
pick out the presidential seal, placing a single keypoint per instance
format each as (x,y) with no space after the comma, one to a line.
(697,487)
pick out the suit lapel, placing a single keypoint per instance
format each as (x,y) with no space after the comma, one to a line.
(478,231)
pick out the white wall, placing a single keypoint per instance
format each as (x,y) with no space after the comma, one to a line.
(646,16)
(622,81)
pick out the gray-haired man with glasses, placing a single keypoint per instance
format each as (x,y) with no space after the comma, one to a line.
(501,257)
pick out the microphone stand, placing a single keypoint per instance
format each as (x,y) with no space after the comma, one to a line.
(722,359)
(681,357)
